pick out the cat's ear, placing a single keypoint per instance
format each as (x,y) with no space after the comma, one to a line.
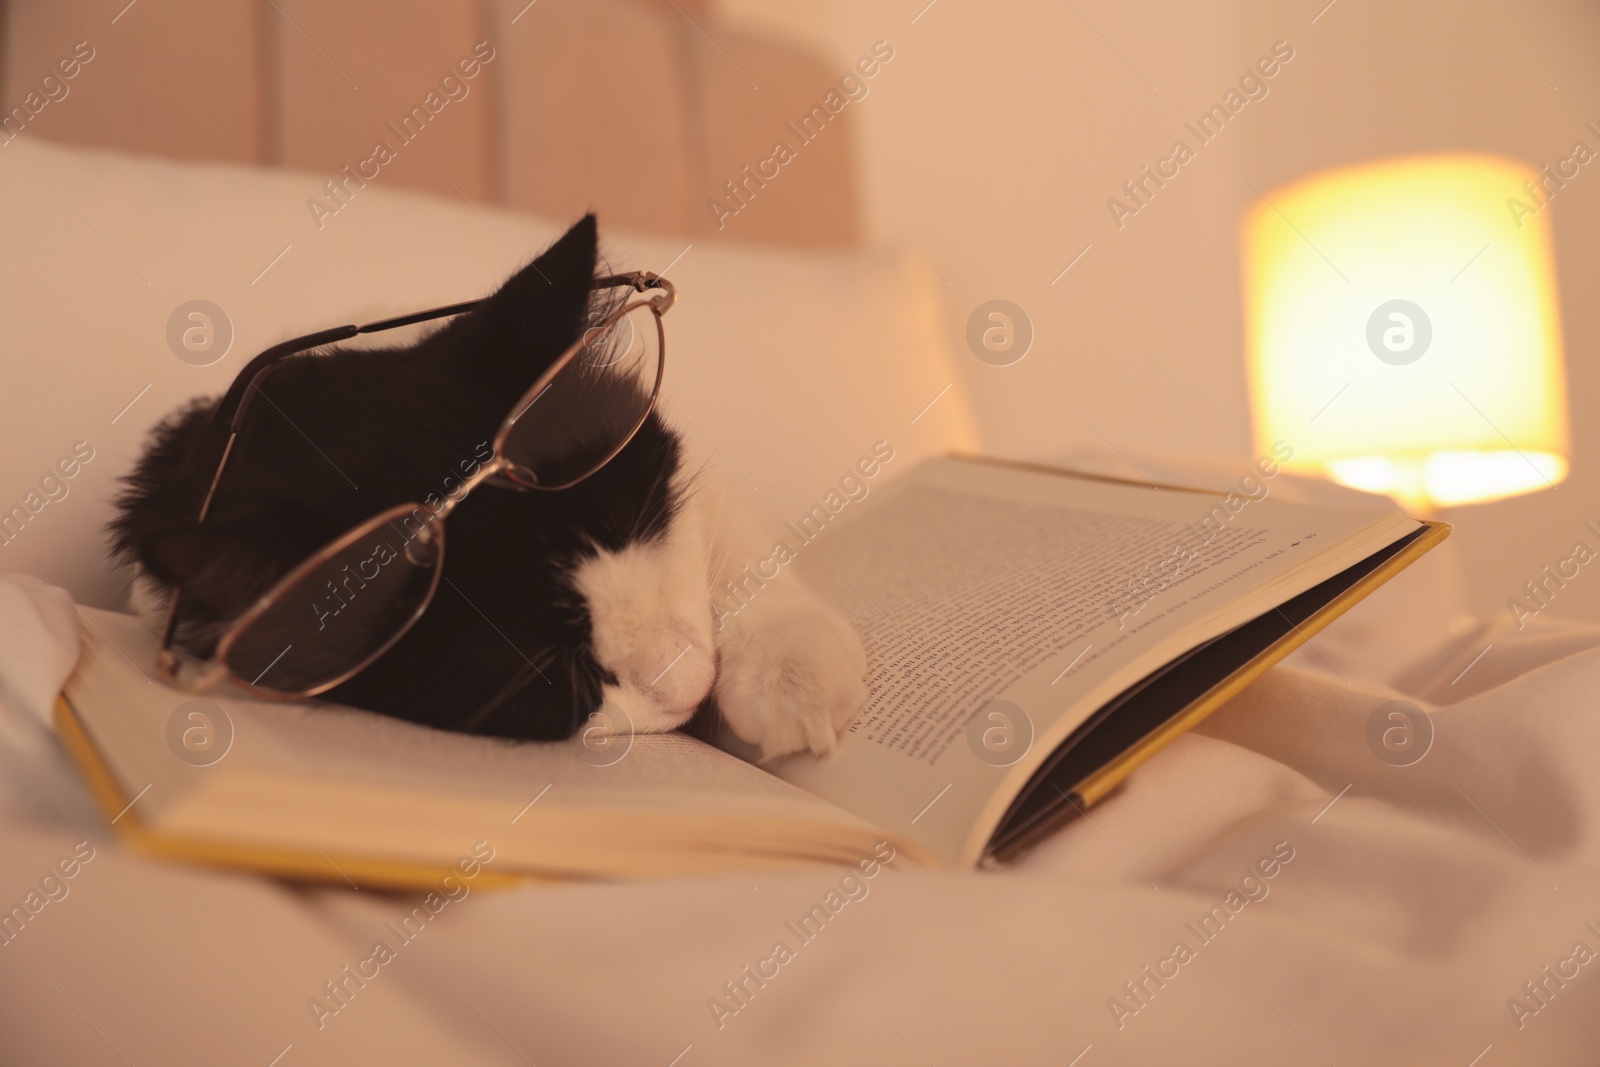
(543,307)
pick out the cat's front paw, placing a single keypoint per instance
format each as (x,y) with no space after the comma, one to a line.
(791,677)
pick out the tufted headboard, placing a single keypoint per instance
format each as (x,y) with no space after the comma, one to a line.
(642,110)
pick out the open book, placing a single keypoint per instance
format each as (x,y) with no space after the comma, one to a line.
(1032,636)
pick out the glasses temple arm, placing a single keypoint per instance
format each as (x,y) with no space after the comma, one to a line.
(238,398)
(236,401)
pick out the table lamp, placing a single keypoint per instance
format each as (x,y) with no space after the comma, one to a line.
(1402,328)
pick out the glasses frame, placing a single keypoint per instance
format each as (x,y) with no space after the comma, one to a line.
(658,296)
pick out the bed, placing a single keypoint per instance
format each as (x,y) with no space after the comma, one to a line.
(1444,911)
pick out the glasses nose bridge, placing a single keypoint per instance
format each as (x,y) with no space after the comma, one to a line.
(454,497)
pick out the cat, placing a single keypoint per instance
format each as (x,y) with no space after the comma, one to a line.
(553,605)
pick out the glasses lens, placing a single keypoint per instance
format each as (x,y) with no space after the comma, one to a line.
(346,610)
(594,404)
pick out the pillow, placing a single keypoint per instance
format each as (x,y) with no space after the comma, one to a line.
(783,368)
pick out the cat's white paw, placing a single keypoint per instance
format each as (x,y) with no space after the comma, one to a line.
(790,677)
(650,626)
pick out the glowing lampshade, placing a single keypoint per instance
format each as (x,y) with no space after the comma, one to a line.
(1402,329)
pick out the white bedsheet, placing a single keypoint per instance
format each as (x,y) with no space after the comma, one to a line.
(1418,902)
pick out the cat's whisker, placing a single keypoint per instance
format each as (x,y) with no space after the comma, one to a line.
(716,567)
(692,482)
(657,485)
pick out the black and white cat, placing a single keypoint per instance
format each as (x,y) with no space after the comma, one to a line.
(605,587)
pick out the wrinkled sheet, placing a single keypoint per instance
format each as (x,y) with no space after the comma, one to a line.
(1414,904)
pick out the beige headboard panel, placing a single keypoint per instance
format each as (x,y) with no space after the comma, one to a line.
(639,109)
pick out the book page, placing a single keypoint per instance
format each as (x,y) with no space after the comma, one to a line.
(358,748)
(973,583)
(344,781)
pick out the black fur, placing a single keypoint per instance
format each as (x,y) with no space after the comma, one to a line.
(342,434)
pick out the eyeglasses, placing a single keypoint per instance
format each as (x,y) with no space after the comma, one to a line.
(334,614)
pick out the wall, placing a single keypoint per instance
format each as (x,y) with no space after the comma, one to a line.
(993,140)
